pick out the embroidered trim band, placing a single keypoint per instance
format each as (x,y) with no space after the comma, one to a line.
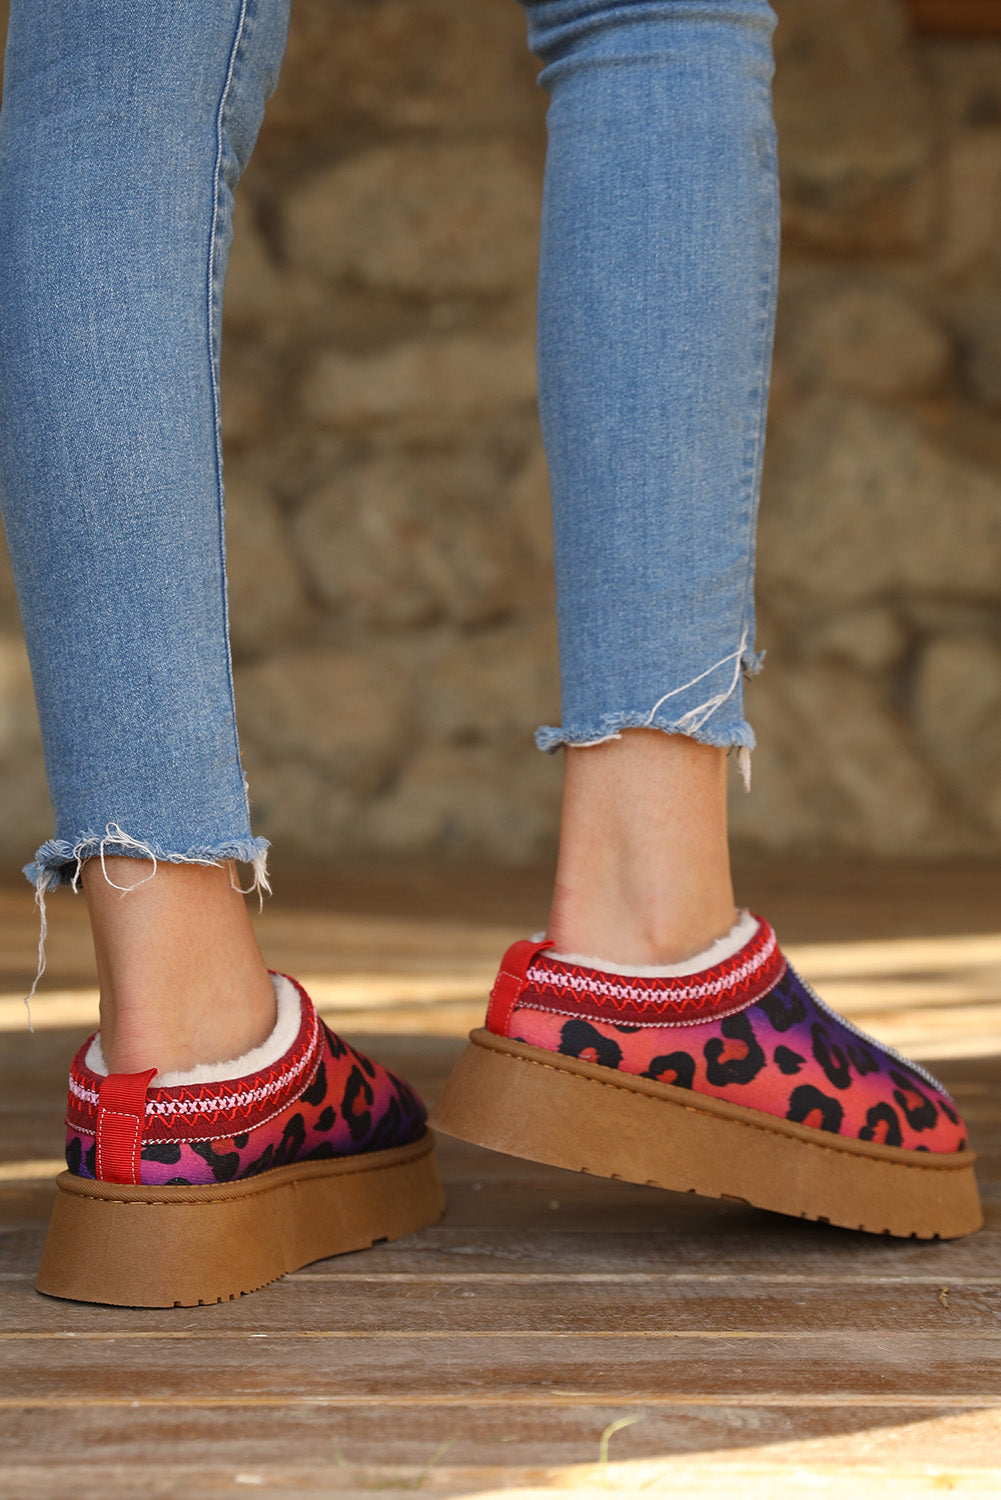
(726,987)
(176,1113)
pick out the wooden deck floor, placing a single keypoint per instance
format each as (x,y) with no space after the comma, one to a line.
(717,1349)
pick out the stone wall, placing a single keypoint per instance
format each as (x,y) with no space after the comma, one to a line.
(388,515)
(879,714)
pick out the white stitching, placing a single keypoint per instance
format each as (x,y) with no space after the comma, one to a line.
(647,995)
(161,1108)
(228,1136)
(121,1114)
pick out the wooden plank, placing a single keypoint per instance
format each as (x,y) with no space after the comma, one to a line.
(754,1246)
(741,1308)
(330,1448)
(342,1366)
(684,1480)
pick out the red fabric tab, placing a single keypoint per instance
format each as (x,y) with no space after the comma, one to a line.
(121,1111)
(510,982)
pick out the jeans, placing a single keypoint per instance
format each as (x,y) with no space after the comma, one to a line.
(124,130)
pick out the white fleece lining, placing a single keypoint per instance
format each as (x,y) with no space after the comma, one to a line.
(273,1048)
(718,952)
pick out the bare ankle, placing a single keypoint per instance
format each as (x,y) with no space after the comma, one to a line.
(182,979)
(644,873)
(613,929)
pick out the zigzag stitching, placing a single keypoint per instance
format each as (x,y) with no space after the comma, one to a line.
(218,1104)
(659,1025)
(187,1139)
(578,980)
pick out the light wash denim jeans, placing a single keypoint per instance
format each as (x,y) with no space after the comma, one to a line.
(124,129)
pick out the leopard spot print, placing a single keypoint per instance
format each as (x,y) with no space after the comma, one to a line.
(677,1068)
(168,1152)
(783,1006)
(809,1106)
(918,1109)
(224,1165)
(830,1056)
(358,1117)
(348,1104)
(860,1057)
(411,1110)
(387,1127)
(260,1163)
(317,1090)
(336,1046)
(737,1057)
(290,1147)
(785,1055)
(581,1039)
(882,1125)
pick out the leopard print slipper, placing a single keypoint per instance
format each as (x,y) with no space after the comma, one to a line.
(198,1192)
(734,1082)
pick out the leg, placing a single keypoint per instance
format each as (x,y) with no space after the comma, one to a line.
(110,474)
(208,1074)
(182,978)
(690,1055)
(660,219)
(644,870)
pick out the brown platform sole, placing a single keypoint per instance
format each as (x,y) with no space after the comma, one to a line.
(181,1246)
(568,1113)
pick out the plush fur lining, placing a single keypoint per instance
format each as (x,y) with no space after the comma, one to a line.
(274,1047)
(718,952)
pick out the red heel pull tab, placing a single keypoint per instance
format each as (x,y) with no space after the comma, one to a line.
(511,981)
(121,1113)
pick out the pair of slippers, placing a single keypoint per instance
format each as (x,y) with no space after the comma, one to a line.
(729,1078)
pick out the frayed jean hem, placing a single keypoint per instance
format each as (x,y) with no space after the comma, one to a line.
(699,723)
(551,737)
(58,862)
(739,739)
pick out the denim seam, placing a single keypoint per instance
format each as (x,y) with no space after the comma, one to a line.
(766,301)
(214,330)
(748,660)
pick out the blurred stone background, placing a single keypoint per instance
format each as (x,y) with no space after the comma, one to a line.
(388,509)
